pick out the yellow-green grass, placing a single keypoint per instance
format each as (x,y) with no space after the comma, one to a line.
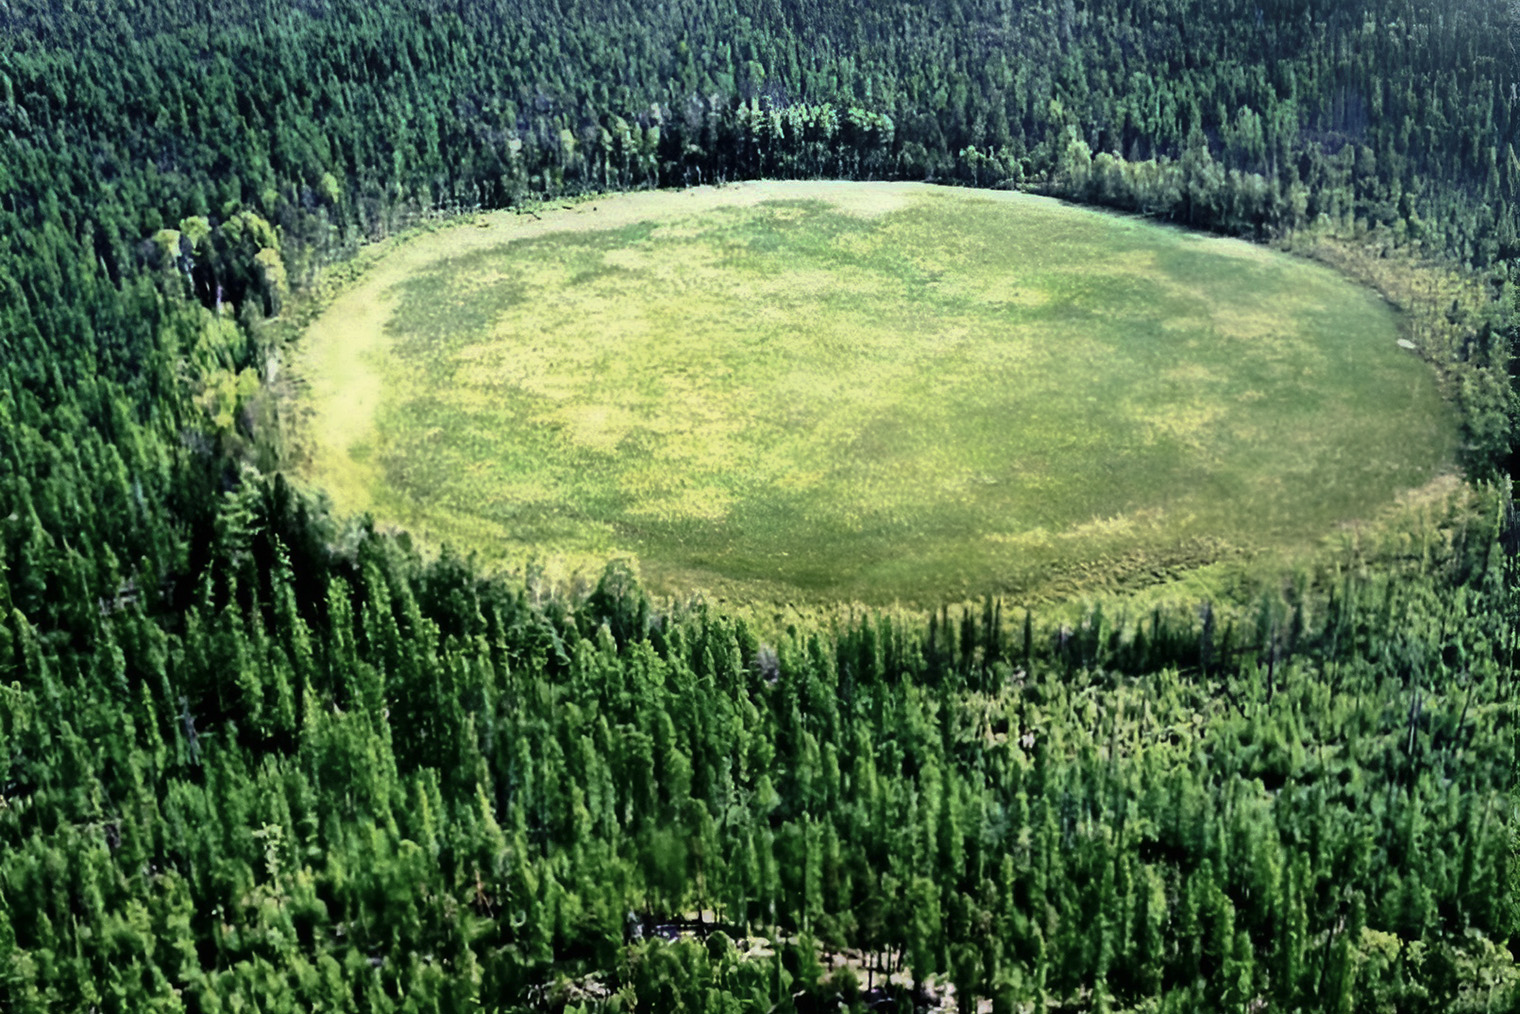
(864,392)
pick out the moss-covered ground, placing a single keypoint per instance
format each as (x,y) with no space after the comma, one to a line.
(874,393)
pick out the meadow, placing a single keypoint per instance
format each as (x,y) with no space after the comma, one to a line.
(862,392)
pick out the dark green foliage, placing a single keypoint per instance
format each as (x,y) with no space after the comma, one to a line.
(252,757)
(462,802)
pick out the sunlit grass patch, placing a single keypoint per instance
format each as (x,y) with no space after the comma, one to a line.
(869,393)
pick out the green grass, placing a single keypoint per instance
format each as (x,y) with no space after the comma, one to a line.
(822,392)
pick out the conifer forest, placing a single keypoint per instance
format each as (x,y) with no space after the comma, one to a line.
(262,756)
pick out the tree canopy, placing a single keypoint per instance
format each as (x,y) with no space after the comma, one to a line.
(255,757)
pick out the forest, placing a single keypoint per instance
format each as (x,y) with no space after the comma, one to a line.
(258,757)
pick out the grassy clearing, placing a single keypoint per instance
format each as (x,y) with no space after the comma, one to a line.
(864,392)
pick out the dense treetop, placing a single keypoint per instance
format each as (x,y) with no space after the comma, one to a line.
(255,757)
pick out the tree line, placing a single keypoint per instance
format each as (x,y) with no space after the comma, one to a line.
(256,757)
(348,778)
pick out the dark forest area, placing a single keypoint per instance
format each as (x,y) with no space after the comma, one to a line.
(256,757)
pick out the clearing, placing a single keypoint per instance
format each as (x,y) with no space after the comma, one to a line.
(860,392)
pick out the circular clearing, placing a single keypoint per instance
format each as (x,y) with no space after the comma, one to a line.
(876,392)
